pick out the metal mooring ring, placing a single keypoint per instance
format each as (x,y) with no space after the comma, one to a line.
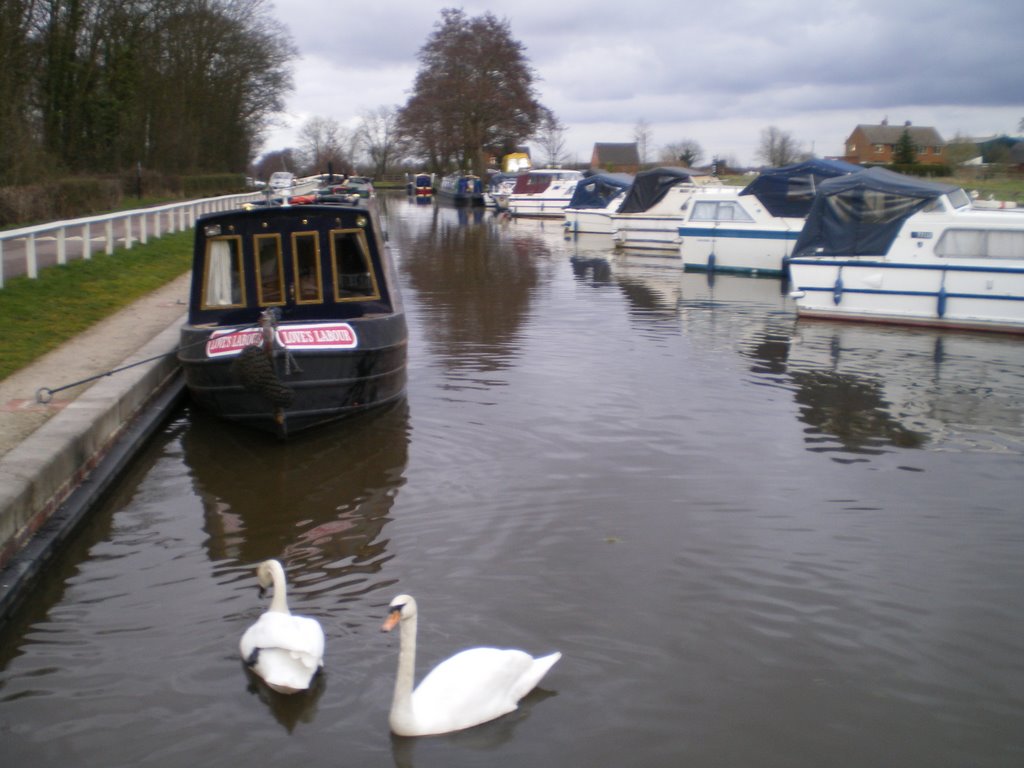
(44,395)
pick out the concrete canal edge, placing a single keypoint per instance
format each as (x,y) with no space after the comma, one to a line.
(50,481)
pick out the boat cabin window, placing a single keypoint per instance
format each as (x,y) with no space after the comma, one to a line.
(981,244)
(353,273)
(223,281)
(958,198)
(270,270)
(725,210)
(306,263)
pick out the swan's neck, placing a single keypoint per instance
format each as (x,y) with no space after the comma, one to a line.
(279,603)
(401,703)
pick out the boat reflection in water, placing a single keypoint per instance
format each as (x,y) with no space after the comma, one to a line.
(871,387)
(319,505)
(860,390)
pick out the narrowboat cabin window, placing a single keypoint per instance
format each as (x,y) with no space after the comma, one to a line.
(306,257)
(353,274)
(270,269)
(223,282)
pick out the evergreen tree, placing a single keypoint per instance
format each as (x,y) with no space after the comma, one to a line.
(905,153)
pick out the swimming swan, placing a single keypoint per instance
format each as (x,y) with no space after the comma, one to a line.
(470,688)
(285,650)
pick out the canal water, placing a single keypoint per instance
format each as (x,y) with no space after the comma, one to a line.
(755,540)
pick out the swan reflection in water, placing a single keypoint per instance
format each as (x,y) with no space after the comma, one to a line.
(288,710)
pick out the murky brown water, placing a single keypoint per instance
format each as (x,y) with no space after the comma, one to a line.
(755,541)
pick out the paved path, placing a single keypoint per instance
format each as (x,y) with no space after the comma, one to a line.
(105,346)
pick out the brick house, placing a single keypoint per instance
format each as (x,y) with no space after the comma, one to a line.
(876,144)
(616,158)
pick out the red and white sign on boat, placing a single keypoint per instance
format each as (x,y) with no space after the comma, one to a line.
(222,343)
(318,336)
(304,336)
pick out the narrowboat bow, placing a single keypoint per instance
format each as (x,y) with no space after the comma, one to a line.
(295,317)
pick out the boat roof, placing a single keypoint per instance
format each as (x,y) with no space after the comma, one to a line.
(862,213)
(597,189)
(788,191)
(651,186)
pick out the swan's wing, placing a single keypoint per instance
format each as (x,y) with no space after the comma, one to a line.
(300,636)
(475,686)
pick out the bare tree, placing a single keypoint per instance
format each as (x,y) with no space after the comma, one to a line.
(642,135)
(322,144)
(378,135)
(551,138)
(474,91)
(275,160)
(778,147)
(688,152)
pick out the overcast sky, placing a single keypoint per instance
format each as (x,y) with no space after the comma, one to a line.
(715,71)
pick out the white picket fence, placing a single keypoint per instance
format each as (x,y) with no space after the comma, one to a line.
(128,227)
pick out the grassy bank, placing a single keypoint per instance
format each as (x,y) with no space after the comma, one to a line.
(39,315)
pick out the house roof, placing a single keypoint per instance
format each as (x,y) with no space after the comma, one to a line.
(623,153)
(924,136)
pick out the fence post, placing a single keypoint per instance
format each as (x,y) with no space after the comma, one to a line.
(110,237)
(86,241)
(62,254)
(30,257)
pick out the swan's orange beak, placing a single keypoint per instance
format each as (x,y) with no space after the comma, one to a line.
(393,618)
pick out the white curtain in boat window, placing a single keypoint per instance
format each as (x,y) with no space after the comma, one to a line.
(221,284)
(1006,244)
(980,243)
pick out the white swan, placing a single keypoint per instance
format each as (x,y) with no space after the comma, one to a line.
(469,688)
(285,650)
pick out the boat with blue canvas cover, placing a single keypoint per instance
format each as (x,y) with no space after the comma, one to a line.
(594,200)
(753,230)
(882,247)
(653,209)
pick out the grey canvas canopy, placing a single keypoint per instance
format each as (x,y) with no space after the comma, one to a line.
(861,214)
(597,190)
(650,186)
(789,190)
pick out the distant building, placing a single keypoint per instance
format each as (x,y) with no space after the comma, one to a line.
(616,158)
(876,144)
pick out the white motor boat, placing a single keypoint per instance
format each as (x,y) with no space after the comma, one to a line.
(879,246)
(752,230)
(594,201)
(543,192)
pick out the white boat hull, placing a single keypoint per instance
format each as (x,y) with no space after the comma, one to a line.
(736,248)
(637,231)
(983,294)
(590,221)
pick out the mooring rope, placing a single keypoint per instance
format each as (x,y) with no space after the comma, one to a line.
(45,395)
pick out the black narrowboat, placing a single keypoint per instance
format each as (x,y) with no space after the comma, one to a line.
(295,317)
